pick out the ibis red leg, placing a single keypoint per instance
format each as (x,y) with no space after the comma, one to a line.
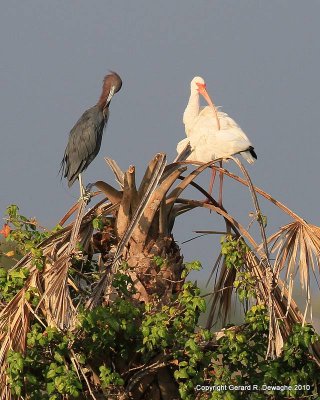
(221,183)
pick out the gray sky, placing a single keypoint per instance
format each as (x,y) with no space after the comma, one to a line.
(260,60)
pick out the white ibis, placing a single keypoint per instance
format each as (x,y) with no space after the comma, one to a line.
(212,134)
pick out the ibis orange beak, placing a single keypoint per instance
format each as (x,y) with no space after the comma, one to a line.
(203,91)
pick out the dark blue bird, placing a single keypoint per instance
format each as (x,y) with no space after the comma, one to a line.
(85,137)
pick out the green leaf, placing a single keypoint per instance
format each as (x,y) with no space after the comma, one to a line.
(241,338)
(182,374)
(51,373)
(50,387)
(58,357)
(97,223)
(183,364)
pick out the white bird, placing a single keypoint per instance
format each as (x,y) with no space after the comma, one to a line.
(212,134)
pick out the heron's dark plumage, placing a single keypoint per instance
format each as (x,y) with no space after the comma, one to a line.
(84,143)
(85,137)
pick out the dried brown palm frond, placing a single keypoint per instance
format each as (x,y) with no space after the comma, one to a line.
(156,206)
(221,298)
(59,307)
(185,153)
(257,209)
(59,241)
(244,182)
(14,326)
(58,303)
(119,174)
(73,209)
(297,248)
(17,312)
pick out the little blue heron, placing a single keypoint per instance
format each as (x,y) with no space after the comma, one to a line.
(85,137)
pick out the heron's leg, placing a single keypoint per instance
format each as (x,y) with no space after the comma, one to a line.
(82,189)
(221,183)
(85,193)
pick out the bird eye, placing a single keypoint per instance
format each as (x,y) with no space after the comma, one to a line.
(201,85)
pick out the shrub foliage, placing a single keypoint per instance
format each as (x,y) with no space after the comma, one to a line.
(141,339)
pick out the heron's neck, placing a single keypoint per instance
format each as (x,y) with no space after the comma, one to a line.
(192,109)
(102,103)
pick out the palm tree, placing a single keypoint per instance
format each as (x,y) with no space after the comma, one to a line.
(131,229)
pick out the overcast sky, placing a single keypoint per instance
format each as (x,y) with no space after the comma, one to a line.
(261,62)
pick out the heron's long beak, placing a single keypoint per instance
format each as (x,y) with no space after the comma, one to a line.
(111,93)
(203,91)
